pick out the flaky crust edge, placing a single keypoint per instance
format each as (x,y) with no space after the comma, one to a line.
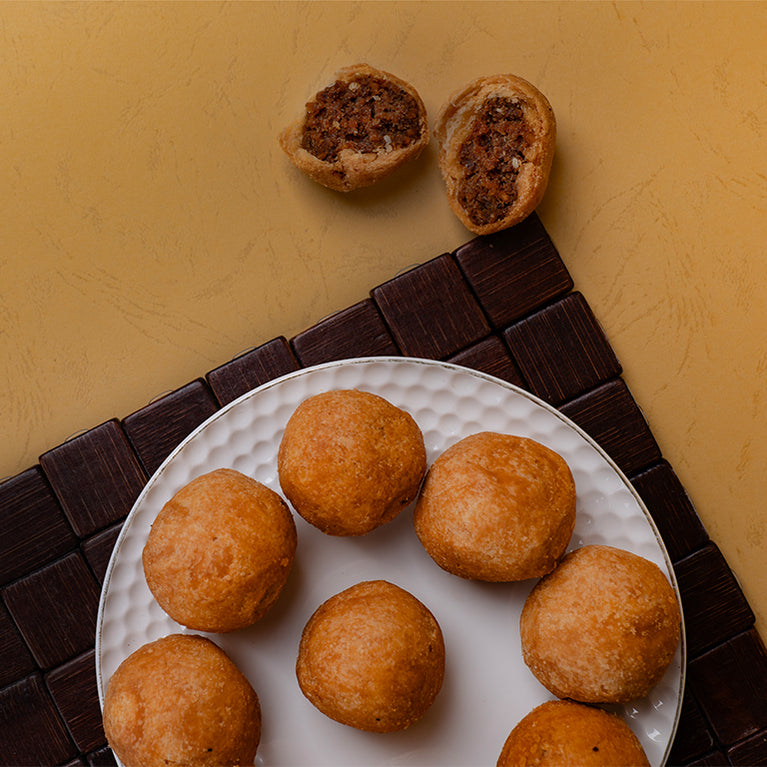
(453,126)
(354,170)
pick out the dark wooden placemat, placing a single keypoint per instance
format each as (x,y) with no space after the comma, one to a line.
(504,304)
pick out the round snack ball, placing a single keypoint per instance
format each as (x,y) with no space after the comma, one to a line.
(372,657)
(496,507)
(220,552)
(567,734)
(602,628)
(350,461)
(181,700)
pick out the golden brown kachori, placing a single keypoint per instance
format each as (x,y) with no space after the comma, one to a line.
(567,734)
(350,461)
(372,657)
(181,701)
(602,628)
(220,551)
(496,507)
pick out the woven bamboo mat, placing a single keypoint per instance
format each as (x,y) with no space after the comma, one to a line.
(503,304)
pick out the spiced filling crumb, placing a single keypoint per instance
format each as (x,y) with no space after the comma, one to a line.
(491,158)
(368,114)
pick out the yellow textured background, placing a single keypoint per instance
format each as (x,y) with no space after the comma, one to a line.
(151,228)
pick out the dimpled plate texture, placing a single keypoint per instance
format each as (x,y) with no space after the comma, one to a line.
(487,687)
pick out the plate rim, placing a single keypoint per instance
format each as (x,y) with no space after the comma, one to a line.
(395,360)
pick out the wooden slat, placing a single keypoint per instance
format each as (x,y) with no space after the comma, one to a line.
(17,661)
(73,689)
(715,608)
(430,310)
(98,550)
(515,271)
(96,477)
(751,752)
(491,356)
(693,736)
(562,350)
(252,369)
(729,683)
(31,730)
(610,415)
(712,759)
(156,429)
(671,508)
(358,331)
(33,528)
(55,610)
(102,758)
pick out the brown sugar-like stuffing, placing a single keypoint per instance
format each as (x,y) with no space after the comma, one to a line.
(363,115)
(492,156)
(357,130)
(496,145)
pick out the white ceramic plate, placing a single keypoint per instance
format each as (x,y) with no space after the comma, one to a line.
(487,687)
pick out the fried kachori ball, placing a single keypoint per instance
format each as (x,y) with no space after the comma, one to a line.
(602,628)
(568,734)
(220,551)
(180,700)
(496,507)
(350,461)
(372,657)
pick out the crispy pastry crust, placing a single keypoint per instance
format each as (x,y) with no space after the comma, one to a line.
(602,628)
(567,734)
(372,657)
(350,461)
(496,507)
(353,169)
(220,551)
(180,700)
(456,123)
